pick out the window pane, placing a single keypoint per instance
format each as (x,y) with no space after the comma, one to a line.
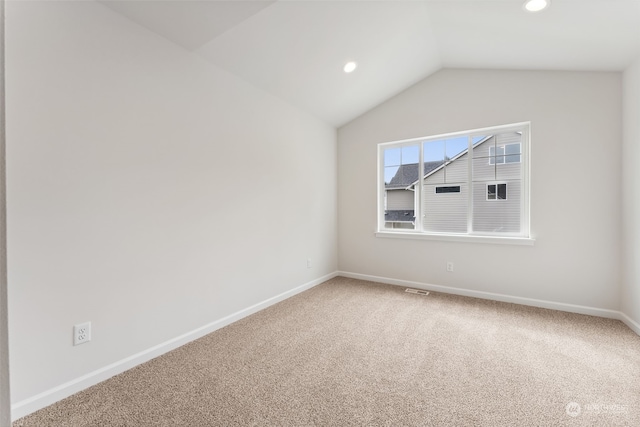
(512,149)
(502,152)
(455,189)
(511,168)
(401,166)
(392,156)
(389,173)
(400,174)
(444,212)
(513,153)
(410,154)
(499,155)
(444,208)
(502,191)
(512,159)
(434,151)
(445,160)
(496,216)
(457,165)
(434,157)
(483,171)
(507,138)
(496,206)
(456,146)
(491,192)
(477,139)
(482,147)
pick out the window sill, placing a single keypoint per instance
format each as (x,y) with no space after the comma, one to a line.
(522,241)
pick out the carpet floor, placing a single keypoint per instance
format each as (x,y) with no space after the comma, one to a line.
(355,353)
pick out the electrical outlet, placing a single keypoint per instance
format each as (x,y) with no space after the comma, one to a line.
(81,333)
(308,262)
(450,267)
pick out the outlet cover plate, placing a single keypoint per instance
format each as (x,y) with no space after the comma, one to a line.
(81,333)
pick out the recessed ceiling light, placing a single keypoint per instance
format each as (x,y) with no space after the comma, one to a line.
(349,67)
(536,5)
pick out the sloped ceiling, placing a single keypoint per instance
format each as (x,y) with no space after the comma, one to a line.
(296,49)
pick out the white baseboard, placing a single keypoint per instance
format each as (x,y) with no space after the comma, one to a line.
(46,398)
(571,308)
(635,326)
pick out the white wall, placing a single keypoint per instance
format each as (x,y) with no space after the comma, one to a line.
(630,301)
(5,400)
(148,192)
(575,185)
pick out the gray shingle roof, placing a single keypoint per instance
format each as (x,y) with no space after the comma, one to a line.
(399,216)
(408,174)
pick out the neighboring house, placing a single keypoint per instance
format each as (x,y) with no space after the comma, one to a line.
(400,195)
(495,185)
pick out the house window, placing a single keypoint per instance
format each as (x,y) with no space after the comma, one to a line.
(509,153)
(453,189)
(497,191)
(449,184)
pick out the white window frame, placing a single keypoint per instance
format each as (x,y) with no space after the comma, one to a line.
(522,238)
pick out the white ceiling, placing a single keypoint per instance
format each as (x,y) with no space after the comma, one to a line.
(296,49)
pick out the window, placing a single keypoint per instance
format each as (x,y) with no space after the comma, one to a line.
(467,183)
(400,169)
(509,153)
(455,189)
(497,191)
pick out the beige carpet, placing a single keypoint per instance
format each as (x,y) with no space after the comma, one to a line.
(350,352)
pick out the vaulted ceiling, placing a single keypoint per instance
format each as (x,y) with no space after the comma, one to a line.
(296,49)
